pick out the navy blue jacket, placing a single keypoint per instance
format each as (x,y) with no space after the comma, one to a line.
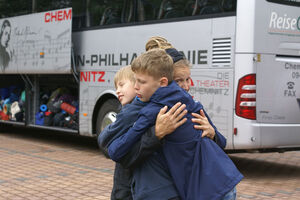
(149,180)
(199,167)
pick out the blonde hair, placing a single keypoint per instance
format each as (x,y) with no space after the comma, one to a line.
(125,73)
(156,63)
(182,64)
(157,42)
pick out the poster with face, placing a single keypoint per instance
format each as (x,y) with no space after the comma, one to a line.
(36,43)
(5,50)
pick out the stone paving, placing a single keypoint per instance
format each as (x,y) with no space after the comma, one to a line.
(269,175)
(35,166)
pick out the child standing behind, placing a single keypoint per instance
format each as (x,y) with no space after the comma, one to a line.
(199,167)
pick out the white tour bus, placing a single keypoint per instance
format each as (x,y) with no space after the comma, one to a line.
(58,60)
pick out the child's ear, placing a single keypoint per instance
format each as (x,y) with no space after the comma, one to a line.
(164,82)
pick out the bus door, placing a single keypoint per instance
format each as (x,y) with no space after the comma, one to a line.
(278,89)
(277,60)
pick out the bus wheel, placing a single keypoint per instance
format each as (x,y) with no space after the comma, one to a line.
(107,114)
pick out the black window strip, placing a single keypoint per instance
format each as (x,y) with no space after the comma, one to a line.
(286,2)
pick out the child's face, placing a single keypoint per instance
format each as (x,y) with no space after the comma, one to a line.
(145,86)
(125,91)
(182,76)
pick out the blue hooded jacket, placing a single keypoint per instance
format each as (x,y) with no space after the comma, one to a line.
(148,180)
(199,167)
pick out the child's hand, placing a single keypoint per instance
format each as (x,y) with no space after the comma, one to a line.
(166,123)
(204,125)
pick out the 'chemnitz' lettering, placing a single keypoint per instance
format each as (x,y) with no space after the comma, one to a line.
(92,76)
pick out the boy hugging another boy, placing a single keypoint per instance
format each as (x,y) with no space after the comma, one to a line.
(199,168)
(153,179)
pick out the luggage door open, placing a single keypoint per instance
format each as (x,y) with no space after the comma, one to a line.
(38,43)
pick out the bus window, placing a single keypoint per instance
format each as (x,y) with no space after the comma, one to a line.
(42,5)
(59,4)
(127,14)
(205,7)
(10,8)
(79,15)
(105,12)
(96,9)
(148,10)
(228,5)
(171,9)
(191,8)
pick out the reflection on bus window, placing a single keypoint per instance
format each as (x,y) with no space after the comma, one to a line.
(42,5)
(79,18)
(10,8)
(90,13)
(148,9)
(209,7)
(206,7)
(166,9)
(171,9)
(105,12)
(229,5)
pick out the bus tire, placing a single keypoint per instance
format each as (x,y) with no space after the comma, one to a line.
(107,114)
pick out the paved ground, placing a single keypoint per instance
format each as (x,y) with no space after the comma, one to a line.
(35,164)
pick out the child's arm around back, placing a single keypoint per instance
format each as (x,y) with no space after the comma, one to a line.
(114,130)
(121,145)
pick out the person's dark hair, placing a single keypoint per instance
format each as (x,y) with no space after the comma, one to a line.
(4,25)
(176,55)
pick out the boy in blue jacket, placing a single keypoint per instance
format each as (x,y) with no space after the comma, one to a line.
(199,167)
(153,175)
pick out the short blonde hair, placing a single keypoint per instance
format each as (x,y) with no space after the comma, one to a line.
(156,63)
(157,42)
(125,73)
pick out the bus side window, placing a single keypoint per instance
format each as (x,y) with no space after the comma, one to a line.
(110,16)
(147,9)
(9,8)
(105,12)
(127,11)
(191,8)
(79,17)
(229,5)
(171,9)
(210,7)
(95,11)
(59,4)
